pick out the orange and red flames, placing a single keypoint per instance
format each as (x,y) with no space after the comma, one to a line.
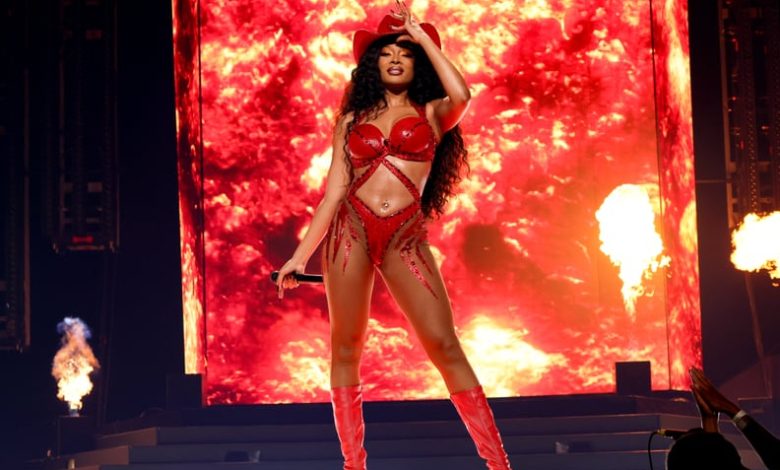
(628,236)
(756,244)
(73,363)
(563,111)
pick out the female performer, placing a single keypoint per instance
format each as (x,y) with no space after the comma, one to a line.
(397,155)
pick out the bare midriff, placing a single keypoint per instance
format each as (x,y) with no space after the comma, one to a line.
(384,193)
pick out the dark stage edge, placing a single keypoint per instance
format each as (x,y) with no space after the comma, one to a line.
(579,432)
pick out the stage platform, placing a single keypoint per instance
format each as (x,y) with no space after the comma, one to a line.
(582,432)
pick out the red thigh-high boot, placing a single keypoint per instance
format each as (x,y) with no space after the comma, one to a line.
(474,410)
(348,415)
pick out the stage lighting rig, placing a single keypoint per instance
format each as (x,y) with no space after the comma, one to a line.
(751,68)
(82,189)
(14,179)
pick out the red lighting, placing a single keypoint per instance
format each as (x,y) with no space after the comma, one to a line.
(82,239)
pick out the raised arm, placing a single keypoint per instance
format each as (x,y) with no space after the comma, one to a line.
(450,109)
(336,186)
(766,445)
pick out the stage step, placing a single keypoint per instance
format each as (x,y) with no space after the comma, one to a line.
(608,442)
(377,448)
(423,429)
(601,461)
(636,460)
(434,440)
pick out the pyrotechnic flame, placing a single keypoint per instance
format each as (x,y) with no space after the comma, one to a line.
(628,236)
(756,244)
(73,363)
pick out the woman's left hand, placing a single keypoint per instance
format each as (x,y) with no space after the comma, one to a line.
(414,33)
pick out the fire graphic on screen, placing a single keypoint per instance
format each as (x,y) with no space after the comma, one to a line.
(562,113)
(628,236)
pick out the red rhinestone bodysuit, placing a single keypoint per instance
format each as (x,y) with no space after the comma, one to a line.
(411,138)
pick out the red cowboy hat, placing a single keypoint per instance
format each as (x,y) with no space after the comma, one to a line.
(364,38)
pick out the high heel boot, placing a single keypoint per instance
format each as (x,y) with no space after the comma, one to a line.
(348,416)
(474,410)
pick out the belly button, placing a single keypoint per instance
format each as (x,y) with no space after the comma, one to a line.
(385,206)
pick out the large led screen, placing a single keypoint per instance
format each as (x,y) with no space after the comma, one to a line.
(570,246)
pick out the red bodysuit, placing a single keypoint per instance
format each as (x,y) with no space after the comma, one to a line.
(411,138)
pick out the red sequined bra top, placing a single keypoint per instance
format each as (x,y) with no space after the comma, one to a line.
(411,138)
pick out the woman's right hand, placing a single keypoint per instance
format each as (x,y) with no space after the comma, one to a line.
(286,280)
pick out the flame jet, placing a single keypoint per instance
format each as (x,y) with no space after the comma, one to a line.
(756,245)
(73,363)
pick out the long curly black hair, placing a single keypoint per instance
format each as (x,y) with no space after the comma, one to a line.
(365,97)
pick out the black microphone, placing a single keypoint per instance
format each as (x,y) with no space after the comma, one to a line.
(300,277)
(671,433)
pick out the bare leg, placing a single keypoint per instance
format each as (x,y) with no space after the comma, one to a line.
(348,288)
(429,314)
